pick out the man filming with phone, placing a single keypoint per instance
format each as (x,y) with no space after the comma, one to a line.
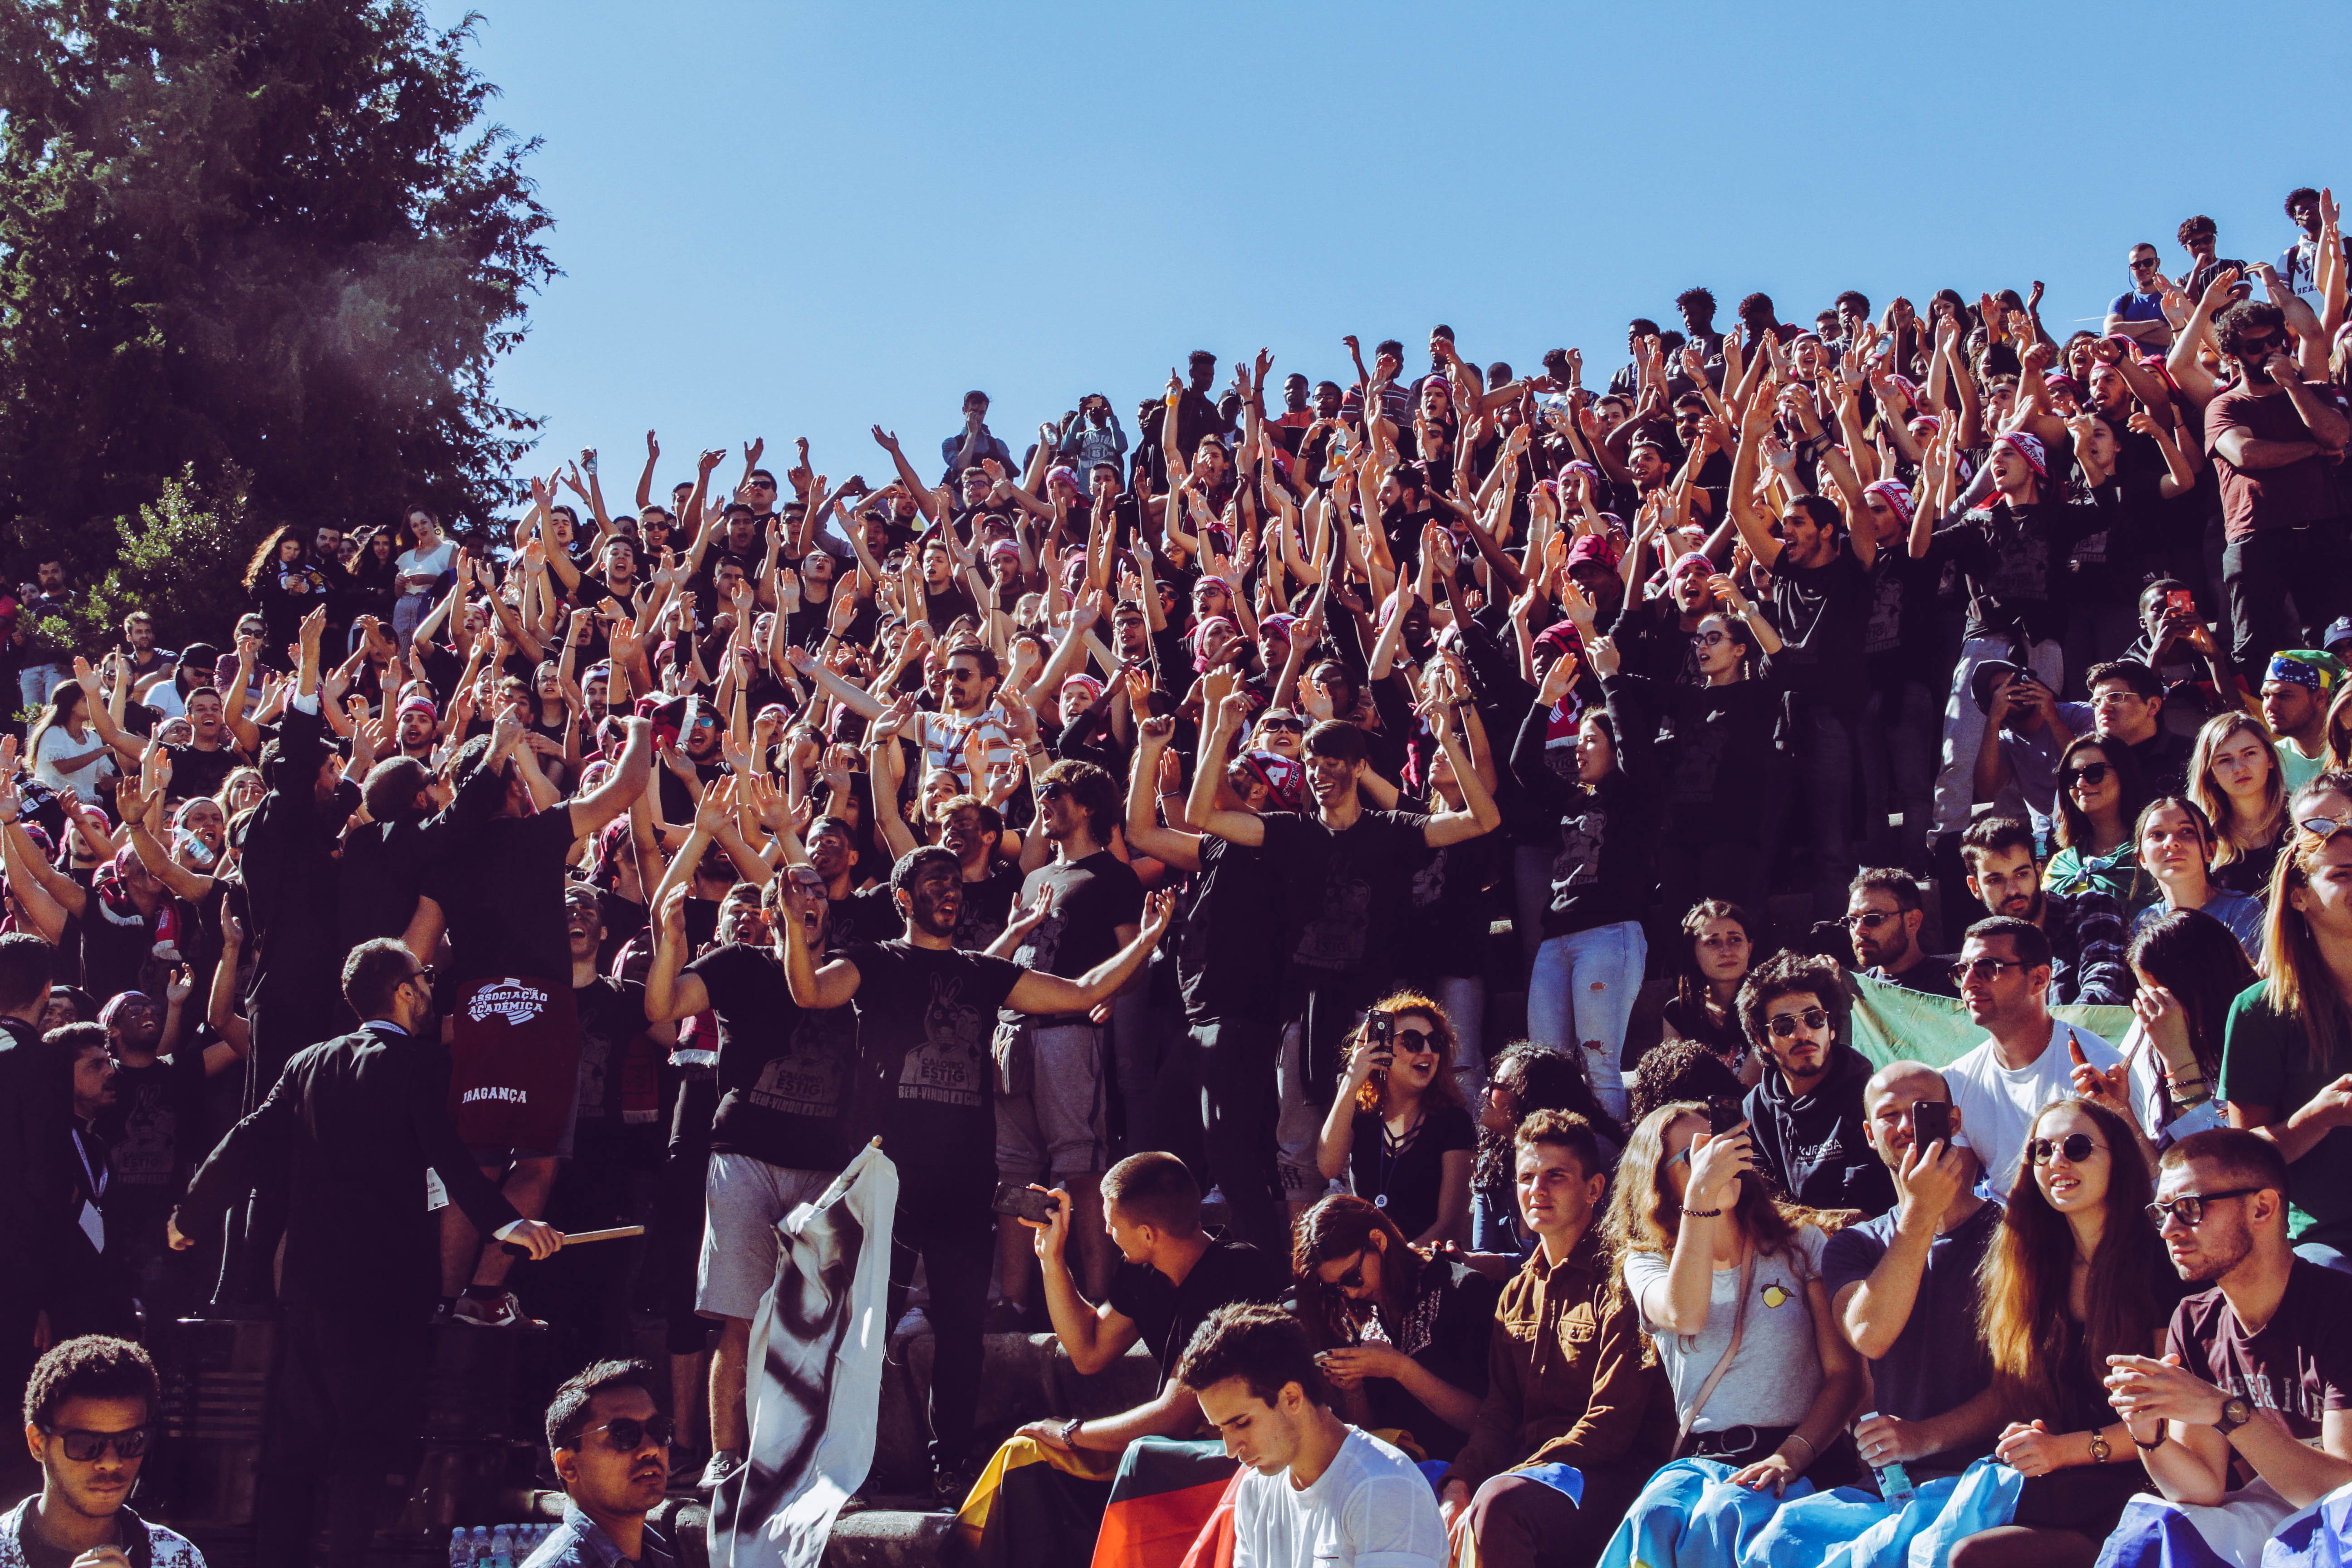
(1171,1276)
(1904,1284)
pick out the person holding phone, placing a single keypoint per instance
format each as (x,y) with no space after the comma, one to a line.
(1904,1284)
(1398,1127)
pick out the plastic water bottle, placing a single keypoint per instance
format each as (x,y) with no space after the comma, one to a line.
(477,1545)
(461,1547)
(1894,1480)
(502,1552)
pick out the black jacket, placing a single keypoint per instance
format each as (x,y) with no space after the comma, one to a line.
(38,1184)
(350,1129)
(1815,1147)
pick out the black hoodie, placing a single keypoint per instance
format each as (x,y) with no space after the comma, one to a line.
(1815,1147)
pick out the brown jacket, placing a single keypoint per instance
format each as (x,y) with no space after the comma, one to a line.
(1570,1378)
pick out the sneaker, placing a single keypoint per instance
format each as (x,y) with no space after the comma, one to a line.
(950,1484)
(914,1324)
(719,1471)
(503,1310)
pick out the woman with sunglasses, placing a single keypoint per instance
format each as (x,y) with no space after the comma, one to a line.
(2235,776)
(1398,1126)
(1709,1257)
(2286,1061)
(2175,842)
(2095,781)
(1400,1335)
(2074,1274)
(1526,1077)
(1715,959)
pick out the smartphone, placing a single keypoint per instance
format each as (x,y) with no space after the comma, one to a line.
(1377,1027)
(1025,1202)
(1722,1115)
(2179,602)
(1931,1123)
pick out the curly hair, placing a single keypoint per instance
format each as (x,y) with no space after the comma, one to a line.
(1443,1088)
(95,1366)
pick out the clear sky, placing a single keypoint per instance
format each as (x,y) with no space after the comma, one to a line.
(783,219)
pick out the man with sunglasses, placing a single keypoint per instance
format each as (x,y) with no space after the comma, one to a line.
(2258,1369)
(2275,440)
(1806,1123)
(348,1130)
(1882,916)
(2027,1057)
(610,1447)
(2137,312)
(89,1413)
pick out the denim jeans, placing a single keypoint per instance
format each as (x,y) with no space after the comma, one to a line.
(1964,724)
(1581,995)
(1464,997)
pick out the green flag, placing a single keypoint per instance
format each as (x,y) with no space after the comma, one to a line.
(1892,1023)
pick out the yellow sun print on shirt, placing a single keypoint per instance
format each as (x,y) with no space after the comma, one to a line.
(1776,1297)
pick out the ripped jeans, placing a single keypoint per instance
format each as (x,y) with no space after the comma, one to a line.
(1581,994)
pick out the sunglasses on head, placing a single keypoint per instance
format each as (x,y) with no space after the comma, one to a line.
(2076,1146)
(1783,1025)
(84,1447)
(2094,774)
(2188,1209)
(627,1434)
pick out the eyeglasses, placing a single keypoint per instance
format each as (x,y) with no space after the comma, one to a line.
(1054,791)
(1869,920)
(1284,726)
(1969,969)
(2188,1209)
(2092,773)
(1784,1024)
(628,1434)
(2076,1146)
(2325,827)
(1708,639)
(424,976)
(1413,1040)
(84,1447)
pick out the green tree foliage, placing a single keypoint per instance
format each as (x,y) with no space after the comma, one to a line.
(258,258)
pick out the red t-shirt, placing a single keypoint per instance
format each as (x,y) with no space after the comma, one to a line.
(2288,496)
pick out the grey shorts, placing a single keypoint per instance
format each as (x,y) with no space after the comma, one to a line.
(1057,1127)
(744,1201)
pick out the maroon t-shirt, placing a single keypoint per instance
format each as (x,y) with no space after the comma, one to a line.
(2300,1365)
(2255,499)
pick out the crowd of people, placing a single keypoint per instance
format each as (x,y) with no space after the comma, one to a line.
(610,867)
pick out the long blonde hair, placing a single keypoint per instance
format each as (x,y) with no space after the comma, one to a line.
(2216,803)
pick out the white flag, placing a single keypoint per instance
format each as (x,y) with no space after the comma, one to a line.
(814,1380)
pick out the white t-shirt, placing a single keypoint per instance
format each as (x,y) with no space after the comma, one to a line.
(57,744)
(1997,1106)
(1372,1508)
(1773,1380)
(418,563)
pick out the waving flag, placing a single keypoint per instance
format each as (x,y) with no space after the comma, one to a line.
(816,1384)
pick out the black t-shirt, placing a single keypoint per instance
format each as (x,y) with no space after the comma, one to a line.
(1167,1315)
(501,889)
(1350,889)
(924,1023)
(113,956)
(154,1133)
(1444,1332)
(1404,1181)
(987,905)
(871,914)
(2014,558)
(1823,614)
(612,1019)
(783,1072)
(1229,952)
(196,772)
(1090,897)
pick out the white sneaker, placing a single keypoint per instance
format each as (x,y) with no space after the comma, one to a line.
(719,1471)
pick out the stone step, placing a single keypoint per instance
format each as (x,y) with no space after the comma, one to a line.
(1024,1378)
(880,1531)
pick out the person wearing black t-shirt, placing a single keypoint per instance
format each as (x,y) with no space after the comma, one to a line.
(1405,1142)
(1051,1106)
(1171,1276)
(1349,872)
(926,1085)
(515,1044)
(781,1134)
(154,1135)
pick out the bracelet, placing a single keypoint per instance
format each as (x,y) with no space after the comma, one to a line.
(1702,1214)
(1812,1453)
(2146,1447)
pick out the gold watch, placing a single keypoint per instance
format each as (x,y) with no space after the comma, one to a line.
(2235,1413)
(2099,1450)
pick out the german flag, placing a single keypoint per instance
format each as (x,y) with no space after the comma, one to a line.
(1036,1507)
(1165,1498)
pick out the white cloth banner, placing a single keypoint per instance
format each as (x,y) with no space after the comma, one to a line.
(814,1381)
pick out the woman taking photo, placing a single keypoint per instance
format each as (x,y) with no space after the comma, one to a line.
(1398,1127)
(284,586)
(2096,850)
(2290,1038)
(1524,1079)
(1708,1254)
(1716,956)
(1405,1335)
(2074,1274)
(2175,840)
(2235,779)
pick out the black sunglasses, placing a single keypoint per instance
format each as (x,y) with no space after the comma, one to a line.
(2076,1146)
(1785,1025)
(2188,1209)
(1990,968)
(627,1434)
(2092,774)
(2143,264)
(83,1448)
(1291,726)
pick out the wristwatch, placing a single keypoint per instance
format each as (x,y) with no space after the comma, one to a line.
(2099,1449)
(1070,1431)
(2235,1413)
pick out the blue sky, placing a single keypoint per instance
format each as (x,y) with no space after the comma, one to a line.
(783,219)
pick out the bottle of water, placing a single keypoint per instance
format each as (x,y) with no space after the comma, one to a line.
(477,1545)
(502,1553)
(1894,1480)
(461,1547)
